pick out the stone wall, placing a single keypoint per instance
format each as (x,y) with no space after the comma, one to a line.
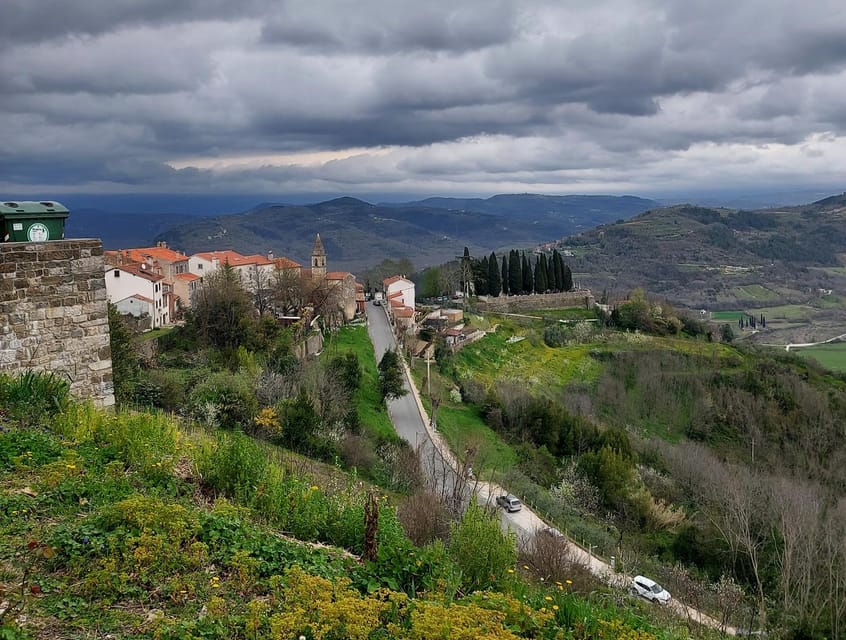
(54,314)
(515,304)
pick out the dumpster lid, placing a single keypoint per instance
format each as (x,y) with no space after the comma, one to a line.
(11,207)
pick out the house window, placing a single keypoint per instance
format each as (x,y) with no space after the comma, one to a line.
(117,273)
(200,266)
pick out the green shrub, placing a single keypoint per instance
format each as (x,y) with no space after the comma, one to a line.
(32,398)
(555,336)
(27,448)
(299,423)
(480,549)
(236,467)
(224,399)
(161,388)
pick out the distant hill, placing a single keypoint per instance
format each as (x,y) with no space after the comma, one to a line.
(358,234)
(572,213)
(717,258)
(120,230)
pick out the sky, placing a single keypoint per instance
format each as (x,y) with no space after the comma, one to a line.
(464,97)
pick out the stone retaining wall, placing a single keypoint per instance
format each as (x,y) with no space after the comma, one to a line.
(54,314)
(514,304)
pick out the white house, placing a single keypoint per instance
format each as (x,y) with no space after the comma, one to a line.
(125,281)
(136,305)
(254,270)
(399,289)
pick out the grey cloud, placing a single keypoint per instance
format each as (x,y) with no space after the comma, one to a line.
(111,91)
(24,21)
(387,26)
(139,62)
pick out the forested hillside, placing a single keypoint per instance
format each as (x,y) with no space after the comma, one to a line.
(707,258)
(666,446)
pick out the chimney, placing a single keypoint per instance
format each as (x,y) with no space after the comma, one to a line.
(270,255)
(162,244)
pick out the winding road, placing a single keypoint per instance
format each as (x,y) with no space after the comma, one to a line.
(412,424)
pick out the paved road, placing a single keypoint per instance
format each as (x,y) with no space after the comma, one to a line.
(411,423)
(407,413)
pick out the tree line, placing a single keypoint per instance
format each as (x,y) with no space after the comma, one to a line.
(517,274)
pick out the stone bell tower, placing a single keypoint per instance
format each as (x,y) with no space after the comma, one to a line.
(318,260)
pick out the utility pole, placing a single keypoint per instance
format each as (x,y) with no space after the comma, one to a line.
(428,371)
(466,273)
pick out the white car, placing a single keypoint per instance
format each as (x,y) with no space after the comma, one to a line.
(650,590)
(509,502)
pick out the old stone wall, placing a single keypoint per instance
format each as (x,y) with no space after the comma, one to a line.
(515,304)
(54,314)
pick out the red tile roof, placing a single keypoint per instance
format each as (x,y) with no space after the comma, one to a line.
(389,281)
(404,312)
(163,254)
(137,270)
(234,258)
(337,275)
(286,263)
(187,276)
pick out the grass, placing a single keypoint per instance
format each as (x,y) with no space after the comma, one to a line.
(727,316)
(831,356)
(756,292)
(154,333)
(575,313)
(529,361)
(463,426)
(371,409)
(792,312)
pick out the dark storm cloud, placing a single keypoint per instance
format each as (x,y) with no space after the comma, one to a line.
(478,92)
(37,20)
(387,26)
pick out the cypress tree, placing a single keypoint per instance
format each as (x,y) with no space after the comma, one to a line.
(515,273)
(480,276)
(504,275)
(540,276)
(494,280)
(528,281)
(557,271)
(550,273)
(567,277)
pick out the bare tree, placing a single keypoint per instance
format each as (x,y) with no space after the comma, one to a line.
(288,292)
(424,518)
(735,501)
(798,509)
(259,283)
(550,555)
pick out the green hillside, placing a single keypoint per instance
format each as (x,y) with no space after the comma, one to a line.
(677,433)
(138,525)
(719,259)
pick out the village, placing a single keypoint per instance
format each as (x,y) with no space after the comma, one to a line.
(153,288)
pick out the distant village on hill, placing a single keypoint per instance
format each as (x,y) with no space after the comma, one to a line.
(155,286)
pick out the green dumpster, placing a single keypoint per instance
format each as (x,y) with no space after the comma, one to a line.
(32,221)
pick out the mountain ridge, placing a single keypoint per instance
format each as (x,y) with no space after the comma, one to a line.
(427,235)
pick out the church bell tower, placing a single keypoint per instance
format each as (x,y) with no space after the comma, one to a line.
(318,259)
